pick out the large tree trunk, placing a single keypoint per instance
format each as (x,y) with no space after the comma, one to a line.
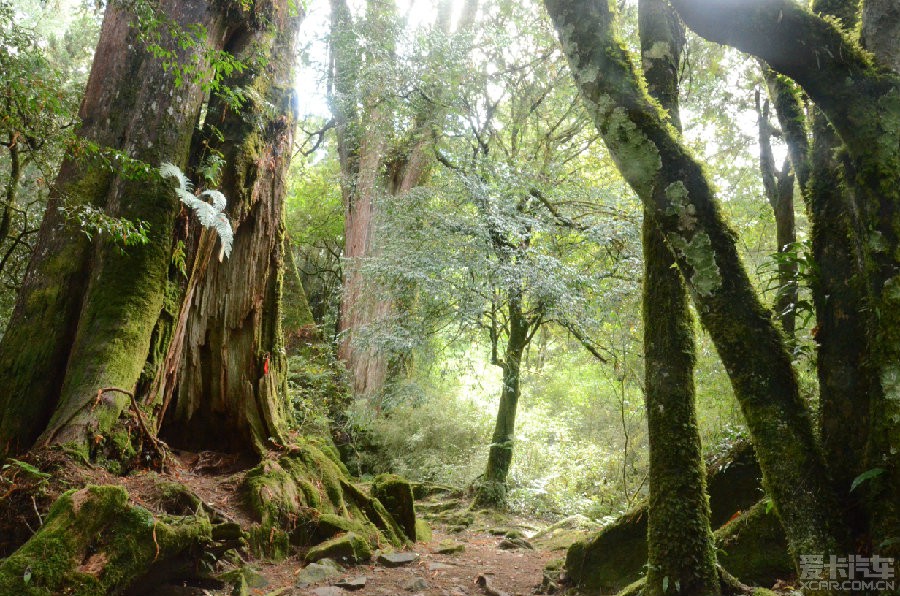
(84,318)
(681,557)
(666,178)
(231,388)
(375,162)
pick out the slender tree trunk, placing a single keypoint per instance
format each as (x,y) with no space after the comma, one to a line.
(681,556)
(492,491)
(837,287)
(779,188)
(667,178)
(85,315)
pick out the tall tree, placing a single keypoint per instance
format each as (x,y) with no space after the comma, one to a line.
(384,150)
(88,320)
(668,180)
(681,556)
(860,96)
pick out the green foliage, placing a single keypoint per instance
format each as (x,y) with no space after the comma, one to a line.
(94,222)
(867,475)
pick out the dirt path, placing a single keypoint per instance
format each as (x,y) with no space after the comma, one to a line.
(512,572)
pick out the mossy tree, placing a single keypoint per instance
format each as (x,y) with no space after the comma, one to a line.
(94,322)
(859,96)
(681,555)
(652,159)
(230,390)
(384,150)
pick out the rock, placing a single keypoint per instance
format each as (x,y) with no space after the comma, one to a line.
(439,566)
(614,557)
(328,591)
(416,584)
(423,531)
(752,547)
(449,547)
(348,547)
(353,584)
(515,544)
(397,559)
(317,572)
(486,584)
(396,494)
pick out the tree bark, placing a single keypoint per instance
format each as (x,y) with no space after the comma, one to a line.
(84,317)
(231,391)
(779,189)
(667,179)
(861,99)
(681,556)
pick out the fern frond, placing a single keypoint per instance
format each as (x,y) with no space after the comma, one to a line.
(226,235)
(170,170)
(218,199)
(209,215)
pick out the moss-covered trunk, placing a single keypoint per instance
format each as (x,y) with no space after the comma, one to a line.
(491,491)
(668,180)
(681,555)
(860,96)
(231,390)
(86,313)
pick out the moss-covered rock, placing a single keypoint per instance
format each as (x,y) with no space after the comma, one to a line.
(612,558)
(753,548)
(94,541)
(396,494)
(347,548)
(306,495)
(615,557)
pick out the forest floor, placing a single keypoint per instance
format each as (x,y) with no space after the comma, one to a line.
(471,553)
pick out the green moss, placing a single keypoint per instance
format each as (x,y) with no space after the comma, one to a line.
(94,541)
(348,548)
(423,531)
(611,559)
(396,494)
(266,541)
(753,548)
(304,497)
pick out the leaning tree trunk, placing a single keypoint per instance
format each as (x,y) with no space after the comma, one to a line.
(861,99)
(666,178)
(231,387)
(84,317)
(681,556)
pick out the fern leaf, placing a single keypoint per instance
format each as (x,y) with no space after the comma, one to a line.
(209,215)
(170,170)
(218,199)
(226,235)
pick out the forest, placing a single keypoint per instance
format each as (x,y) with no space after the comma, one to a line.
(450,297)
